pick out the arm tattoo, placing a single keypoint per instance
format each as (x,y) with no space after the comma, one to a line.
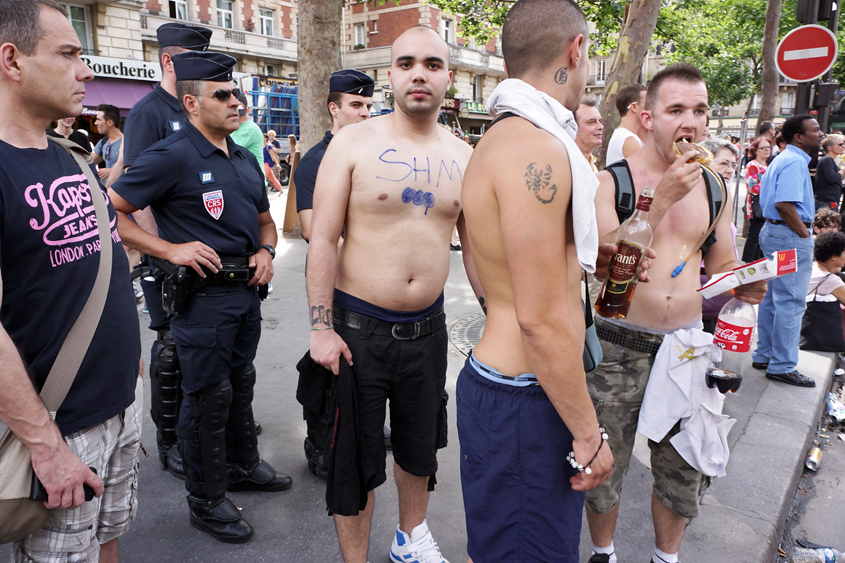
(483,304)
(560,75)
(321,315)
(538,181)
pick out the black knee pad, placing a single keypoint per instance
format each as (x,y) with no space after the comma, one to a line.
(166,388)
(210,409)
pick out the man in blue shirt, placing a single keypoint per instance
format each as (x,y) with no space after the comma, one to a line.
(106,150)
(786,195)
(208,198)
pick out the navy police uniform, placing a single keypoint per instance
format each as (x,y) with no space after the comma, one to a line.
(198,193)
(157,116)
(313,396)
(348,81)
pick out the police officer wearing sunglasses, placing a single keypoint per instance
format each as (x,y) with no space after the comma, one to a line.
(216,241)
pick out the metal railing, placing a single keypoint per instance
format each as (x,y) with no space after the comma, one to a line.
(725,112)
(596,80)
(276,44)
(787,111)
(754,112)
(238,37)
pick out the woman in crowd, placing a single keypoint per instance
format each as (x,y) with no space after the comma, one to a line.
(758,152)
(270,161)
(821,327)
(829,174)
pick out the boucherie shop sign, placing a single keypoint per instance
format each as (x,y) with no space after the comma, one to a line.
(123,68)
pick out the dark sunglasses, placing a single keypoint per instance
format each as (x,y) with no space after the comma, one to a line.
(222,94)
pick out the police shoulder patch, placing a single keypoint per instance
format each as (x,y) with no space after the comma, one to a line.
(175,126)
(206,177)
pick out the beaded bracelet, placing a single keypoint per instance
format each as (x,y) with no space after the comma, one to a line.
(324,328)
(586,468)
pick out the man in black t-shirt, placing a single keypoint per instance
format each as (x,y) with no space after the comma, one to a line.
(49,255)
(207,194)
(64,130)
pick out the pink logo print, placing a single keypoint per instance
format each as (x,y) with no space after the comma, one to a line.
(67,211)
(213,203)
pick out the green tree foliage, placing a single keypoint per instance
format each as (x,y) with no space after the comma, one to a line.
(482,19)
(723,40)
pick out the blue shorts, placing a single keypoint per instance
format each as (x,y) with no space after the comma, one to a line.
(519,504)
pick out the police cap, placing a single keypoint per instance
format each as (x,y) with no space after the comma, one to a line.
(203,65)
(351,81)
(191,37)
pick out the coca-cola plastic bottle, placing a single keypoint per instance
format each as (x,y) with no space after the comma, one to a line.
(734,329)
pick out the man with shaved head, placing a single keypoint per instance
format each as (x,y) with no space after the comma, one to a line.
(524,414)
(377,319)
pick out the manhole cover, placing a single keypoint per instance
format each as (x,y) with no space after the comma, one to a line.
(467,331)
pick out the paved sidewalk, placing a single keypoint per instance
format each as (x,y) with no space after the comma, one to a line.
(741,516)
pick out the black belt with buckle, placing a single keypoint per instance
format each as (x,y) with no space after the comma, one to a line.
(627,338)
(233,269)
(399,331)
(774,222)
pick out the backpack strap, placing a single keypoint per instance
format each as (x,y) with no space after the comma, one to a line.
(624,184)
(714,183)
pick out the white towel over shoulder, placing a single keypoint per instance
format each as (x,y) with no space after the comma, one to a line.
(677,390)
(515,96)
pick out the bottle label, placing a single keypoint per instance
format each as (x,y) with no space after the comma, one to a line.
(733,338)
(644,203)
(623,267)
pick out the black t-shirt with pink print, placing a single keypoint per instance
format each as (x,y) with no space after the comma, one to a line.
(48,262)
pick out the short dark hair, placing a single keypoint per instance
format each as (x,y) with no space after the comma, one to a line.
(779,140)
(20,24)
(192,87)
(626,96)
(535,33)
(171,50)
(829,245)
(793,126)
(765,127)
(334,98)
(110,113)
(589,102)
(679,71)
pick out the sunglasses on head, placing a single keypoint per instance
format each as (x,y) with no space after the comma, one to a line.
(223,94)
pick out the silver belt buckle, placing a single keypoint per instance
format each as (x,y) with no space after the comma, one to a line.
(414,337)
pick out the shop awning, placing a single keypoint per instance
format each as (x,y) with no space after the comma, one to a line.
(115,91)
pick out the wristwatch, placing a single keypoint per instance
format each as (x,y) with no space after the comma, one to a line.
(269,249)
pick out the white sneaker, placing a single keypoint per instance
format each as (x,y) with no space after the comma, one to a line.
(419,547)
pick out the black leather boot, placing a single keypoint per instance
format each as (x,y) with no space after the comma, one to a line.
(222,521)
(174,463)
(204,442)
(260,478)
(316,460)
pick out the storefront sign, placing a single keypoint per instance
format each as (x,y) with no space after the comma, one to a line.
(123,68)
(475,107)
(450,105)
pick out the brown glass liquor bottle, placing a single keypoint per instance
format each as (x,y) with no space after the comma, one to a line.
(633,236)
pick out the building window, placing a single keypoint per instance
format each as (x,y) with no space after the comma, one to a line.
(755,103)
(359,34)
(266,19)
(225,13)
(375,26)
(270,70)
(375,75)
(788,100)
(477,88)
(179,9)
(601,71)
(80,19)
(446,30)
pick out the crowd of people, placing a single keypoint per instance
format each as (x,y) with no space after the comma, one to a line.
(187,185)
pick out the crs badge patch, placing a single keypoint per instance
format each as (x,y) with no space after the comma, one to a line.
(213,203)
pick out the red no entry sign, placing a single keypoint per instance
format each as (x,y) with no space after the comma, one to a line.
(806,53)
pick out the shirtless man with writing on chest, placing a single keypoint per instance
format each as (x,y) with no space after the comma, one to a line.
(676,107)
(378,301)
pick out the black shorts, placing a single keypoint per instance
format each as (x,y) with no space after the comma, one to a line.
(412,374)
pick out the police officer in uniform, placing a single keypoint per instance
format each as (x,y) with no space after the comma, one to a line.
(350,101)
(216,243)
(155,117)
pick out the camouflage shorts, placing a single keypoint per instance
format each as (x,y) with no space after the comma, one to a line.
(617,387)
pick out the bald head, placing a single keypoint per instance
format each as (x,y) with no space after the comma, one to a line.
(413,36)
(536,32)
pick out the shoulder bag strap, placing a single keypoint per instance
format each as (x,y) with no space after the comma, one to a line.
(76,343)
(816,292)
